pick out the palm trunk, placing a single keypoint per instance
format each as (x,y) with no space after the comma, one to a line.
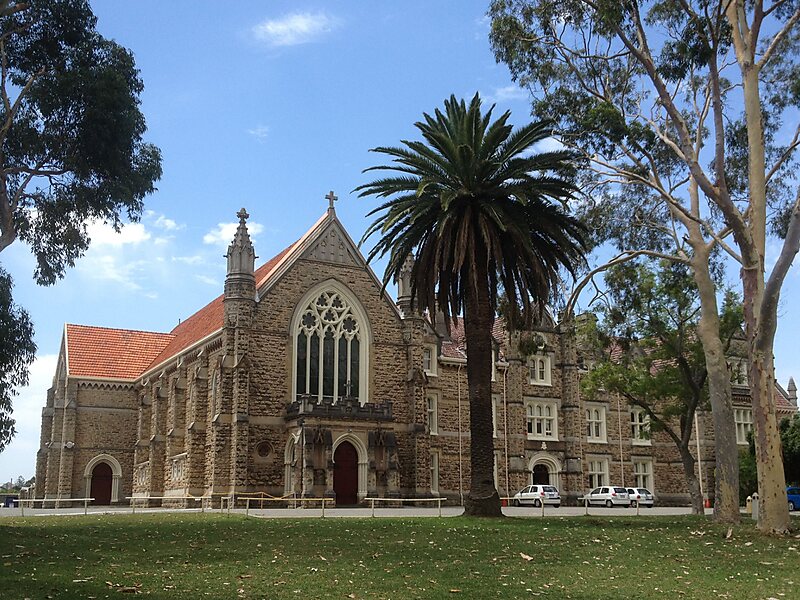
(483,499)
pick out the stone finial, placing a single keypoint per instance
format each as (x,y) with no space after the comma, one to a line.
(792,389)
(241,254)
(404,284)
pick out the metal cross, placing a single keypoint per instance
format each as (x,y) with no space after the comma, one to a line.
(331,199)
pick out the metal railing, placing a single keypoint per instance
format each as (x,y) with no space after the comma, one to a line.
(438,501)
(294,500)
(59,500)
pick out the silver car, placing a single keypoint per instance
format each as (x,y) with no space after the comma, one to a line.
(609,495)
(537,495)
(641,497)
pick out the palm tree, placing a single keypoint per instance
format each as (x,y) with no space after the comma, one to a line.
(475,206)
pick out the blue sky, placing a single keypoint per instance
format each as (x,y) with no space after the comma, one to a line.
(266,105)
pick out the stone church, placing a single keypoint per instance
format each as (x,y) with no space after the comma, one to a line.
(305,379)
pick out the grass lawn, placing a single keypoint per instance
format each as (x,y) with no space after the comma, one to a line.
(217,556)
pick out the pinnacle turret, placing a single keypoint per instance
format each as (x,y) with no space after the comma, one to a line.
(241,254)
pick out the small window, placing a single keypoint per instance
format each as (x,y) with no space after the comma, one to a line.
(640,427)
(643,473)
(432,407)
(743,418)
(429,362)
(598,473)
(495,414)
(539,369)
(542,419)
(596,424)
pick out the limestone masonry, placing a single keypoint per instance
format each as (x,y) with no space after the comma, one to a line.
(304,378)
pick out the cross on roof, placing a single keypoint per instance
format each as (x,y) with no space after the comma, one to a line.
(331,199)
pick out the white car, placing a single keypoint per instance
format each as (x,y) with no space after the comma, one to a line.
(537,495)
(641,497)
(609,495)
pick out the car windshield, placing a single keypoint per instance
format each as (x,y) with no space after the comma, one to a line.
(644,491)
(621,490)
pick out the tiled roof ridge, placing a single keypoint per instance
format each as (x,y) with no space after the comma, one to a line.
(126,329)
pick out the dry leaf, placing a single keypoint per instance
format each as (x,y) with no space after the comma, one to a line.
(525,556)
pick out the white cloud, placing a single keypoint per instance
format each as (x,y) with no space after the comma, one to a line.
(507,93)
(293,29)
(223,234)
(103,234)
(168,224)
(260,133)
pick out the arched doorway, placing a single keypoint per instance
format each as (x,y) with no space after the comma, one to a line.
(541,474)
(102,478)
(345,474)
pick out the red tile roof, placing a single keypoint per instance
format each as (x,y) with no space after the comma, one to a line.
(207,320)
(111,353)
(126,354)
(456,346)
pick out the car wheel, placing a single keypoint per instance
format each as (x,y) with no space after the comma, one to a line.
(633,503)
(515,502)
(557,505)
(609,504)
(791,506)
(537,503)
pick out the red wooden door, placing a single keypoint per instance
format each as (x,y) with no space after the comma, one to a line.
(345,474)
(101,484)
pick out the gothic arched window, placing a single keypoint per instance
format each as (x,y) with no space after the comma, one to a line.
(330,348)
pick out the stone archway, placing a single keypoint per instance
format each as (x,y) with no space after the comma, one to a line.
(361,461)
(545,469)
(101,482)
(541,474)
(101,478)
(345,474)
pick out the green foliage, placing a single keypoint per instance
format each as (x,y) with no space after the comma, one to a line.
(17,351)
(471,194)
(72,147)
(790,442)
(748,474)
(646,347)
(608,108)
(790,445)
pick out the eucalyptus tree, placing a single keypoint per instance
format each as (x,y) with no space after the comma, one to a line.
(482,213)
(686,101)
(71,151)
(647,351)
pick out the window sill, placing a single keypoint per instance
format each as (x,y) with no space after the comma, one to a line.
(596,441)
(540,383)
(542,438)
(641,443)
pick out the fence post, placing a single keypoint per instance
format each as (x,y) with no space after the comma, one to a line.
(324,500)
(372,502)
(21,507)
(586,505)
(543,507)
(133,505)
(85,505)
(439,502)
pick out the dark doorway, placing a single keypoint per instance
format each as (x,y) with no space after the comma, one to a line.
(101,484)
(541,474)
(345,474)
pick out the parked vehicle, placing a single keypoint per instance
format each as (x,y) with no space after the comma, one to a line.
(793,492)
(641,497)
(609,495)
(537,495)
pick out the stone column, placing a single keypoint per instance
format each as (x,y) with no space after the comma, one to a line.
(573,476)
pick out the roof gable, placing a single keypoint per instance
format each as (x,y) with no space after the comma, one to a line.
(107,353)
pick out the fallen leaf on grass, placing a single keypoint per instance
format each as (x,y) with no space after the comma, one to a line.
(525,556)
